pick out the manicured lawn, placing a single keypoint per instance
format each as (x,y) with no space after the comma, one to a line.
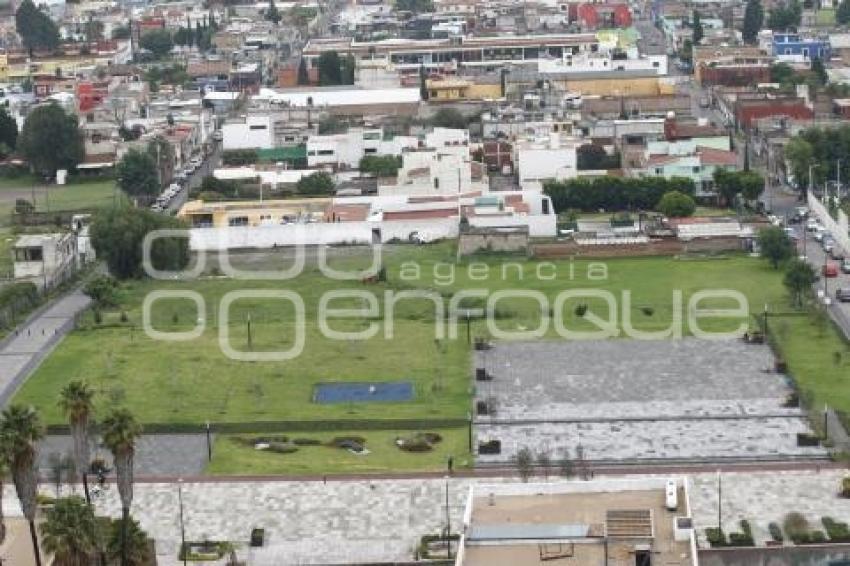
(80,194)
(180,382)
(230,458)
(817,356)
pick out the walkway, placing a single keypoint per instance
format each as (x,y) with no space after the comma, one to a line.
(23,350)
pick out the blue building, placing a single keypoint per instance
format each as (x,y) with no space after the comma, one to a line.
(795,47)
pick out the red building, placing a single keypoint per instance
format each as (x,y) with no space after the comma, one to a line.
(733,75)
(601,16)
(746,111)
(90,95)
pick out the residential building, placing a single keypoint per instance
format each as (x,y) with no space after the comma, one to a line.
(45,259)
(253,132)
(799,48)
(344,151)
(539,160)
(618,522)
(696,159)
(731,65)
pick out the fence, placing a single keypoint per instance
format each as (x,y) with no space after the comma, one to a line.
(838,228)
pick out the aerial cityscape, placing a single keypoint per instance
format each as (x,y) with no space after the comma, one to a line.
(450,282)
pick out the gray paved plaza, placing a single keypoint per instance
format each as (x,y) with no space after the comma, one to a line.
(638,399)
(348,521)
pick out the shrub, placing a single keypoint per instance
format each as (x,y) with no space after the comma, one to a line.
(306,442)
(796,527)
(282,448)
(715,536)
(98,317)
(580,310)
(817,537)
(775,532)
(236,157)
(414,444)
(837,532)
(648,311)
(675,204)
(101,290)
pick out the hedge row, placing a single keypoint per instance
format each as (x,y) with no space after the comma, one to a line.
(292,426)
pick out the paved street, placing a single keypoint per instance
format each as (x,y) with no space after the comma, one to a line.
(313,522)
(24,349)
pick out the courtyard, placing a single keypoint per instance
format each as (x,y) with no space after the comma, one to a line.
(628,400)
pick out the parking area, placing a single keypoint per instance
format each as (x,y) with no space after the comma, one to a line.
(624,400)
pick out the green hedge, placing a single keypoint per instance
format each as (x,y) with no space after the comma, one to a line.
(292,426)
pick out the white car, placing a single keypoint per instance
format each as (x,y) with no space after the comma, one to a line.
(812,225)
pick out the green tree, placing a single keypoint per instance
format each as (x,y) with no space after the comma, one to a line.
(781,73)
(784,17)
(380,165)
(35,27)
(8,130)
(675,204)
(121,32)
(752,185)
(698,32)
(330,69)
(799,278)
(775,245)
(349,68)
(138,549)
(303,75)
(415,6)
(319,183)
(51,140)
(120,432)
(117,235)
(524,461)
(819,71)
(842,15)
(136,174)
(159,42)
(449,118)
(20,431)
(799,154)
(70,532)
(272,13)
(591,157)
(753,21)
(76,400)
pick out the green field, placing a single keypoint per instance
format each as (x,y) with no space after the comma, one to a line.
(230,457)
(192,382)
(79,194)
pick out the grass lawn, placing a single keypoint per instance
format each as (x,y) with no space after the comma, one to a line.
(191,382)
(79,194)
(818,357)
(230,457)
(6,241)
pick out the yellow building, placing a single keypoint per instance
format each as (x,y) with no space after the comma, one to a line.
(455,89)
(68,66)
(618,86)
(199,213)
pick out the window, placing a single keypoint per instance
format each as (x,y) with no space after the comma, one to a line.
(370,150)
(257,127)
(655,64)
(658,171)
(436,183)
(238,221)
(28,254)
(289,138)
(696,169)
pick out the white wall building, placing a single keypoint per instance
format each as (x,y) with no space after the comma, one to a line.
(45,259)
(603,61)
(346,150)
(540,160)
(255,132)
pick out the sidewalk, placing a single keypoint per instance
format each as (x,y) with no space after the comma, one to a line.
(24,349)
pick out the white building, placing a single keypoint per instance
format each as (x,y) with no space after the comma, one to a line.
(603,61)
(45,259)
(539,160)
(347,149)
(254,132)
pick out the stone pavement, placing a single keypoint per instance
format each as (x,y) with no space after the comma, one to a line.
(345,521)
(157,455)
(638,399)
(26,347)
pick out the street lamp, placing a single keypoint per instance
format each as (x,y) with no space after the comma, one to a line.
(448,522)
(209,443)
(183,550)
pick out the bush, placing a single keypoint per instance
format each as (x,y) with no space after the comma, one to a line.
(817,537)
(775,532)
(614,193)
(414,444)
(837,532)
(796,527)
(676,205)
(101,290)
(98,316)
(306,442)
(715,536)
(845,487)
(282,448)
(23,206)
(580,310)
(237,157)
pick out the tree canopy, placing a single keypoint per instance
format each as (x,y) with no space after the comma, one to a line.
(675,205)
(117,235)
(594,157)
(799,278)
(159,42)
(319,183)
(698,32)
(785,16)
(753,21)
(51,140)
(380,165)
(775,245)
(730,184)
(823,147)
(36,28)
(449,118)
(614,193)
(415,6)
(136,174)
(842,15)
(8,132)
(330,69)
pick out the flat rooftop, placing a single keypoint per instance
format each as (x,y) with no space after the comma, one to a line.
(570,529)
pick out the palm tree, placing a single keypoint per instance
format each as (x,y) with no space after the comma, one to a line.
(21,429)
(77,402)
(138,547)
(120,431)
(70,532)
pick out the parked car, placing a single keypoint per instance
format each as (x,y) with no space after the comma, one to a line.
(217,135)
(791,233)
(812,225)
(845,265)
(842,295)
(821,234)
(830,269)
(837,253)
(828,244)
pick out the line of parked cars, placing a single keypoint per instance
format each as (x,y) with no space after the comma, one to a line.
(181,181)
